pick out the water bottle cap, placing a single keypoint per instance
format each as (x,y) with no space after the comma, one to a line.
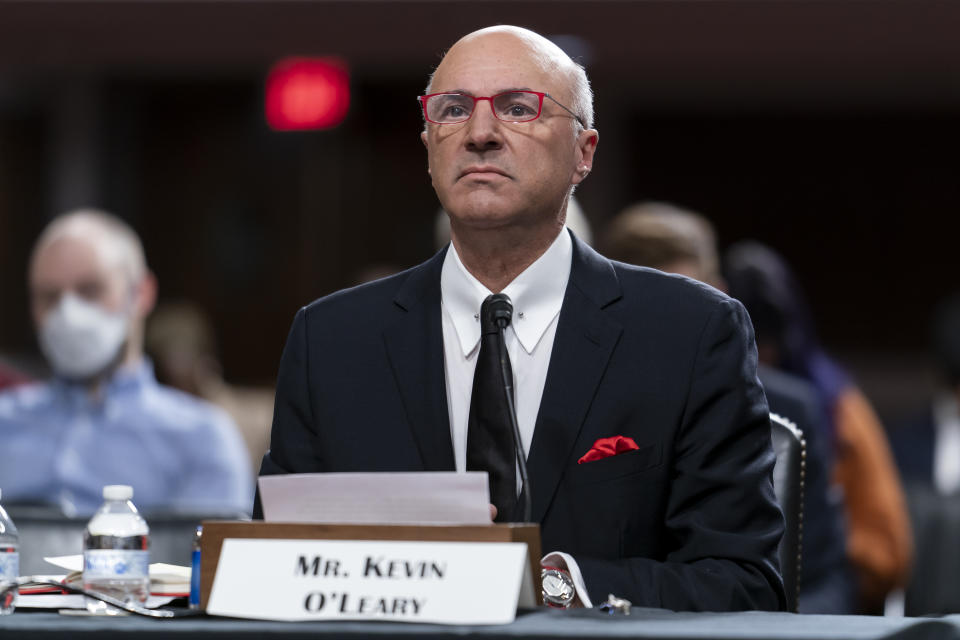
(117,492)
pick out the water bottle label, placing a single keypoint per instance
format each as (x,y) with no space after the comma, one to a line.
(9,565)
(112,563)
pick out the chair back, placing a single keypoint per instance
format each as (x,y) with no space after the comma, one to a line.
(788,479)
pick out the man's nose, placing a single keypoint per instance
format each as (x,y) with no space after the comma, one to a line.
(484,132)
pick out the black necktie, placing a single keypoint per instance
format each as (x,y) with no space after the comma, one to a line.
(490,444)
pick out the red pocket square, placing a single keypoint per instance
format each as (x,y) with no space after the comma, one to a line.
(606,447)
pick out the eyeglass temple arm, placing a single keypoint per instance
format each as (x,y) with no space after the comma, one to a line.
(568,110)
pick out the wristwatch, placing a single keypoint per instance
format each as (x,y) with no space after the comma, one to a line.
(557,586)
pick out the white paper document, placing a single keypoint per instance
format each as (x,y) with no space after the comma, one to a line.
(159,571)
(70,563)
(377,498)
(50,598)
(74,601)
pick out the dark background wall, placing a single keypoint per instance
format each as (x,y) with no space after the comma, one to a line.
(826,128)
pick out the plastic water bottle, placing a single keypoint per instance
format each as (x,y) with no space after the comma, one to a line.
(9,560)
(116,552)
(194,600)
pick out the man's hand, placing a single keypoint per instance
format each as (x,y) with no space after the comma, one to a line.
(493,512)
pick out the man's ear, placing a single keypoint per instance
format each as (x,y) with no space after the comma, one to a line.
(423,138)
(586,148)
(145,296)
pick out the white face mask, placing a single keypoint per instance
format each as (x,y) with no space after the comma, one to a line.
(81,339)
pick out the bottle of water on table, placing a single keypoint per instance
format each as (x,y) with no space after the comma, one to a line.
(195,568)
(9,560)
(116,552)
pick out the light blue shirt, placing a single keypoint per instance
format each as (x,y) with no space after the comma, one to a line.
(59,445)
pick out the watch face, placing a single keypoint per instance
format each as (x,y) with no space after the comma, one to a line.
(558,590)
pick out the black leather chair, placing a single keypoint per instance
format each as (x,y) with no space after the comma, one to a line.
(788,484)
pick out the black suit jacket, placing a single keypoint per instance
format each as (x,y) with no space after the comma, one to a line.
(688,521)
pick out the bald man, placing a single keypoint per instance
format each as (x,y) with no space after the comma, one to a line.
(645,431)
(103,419)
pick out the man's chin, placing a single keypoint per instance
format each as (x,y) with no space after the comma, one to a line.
(483,220)
(100,374)
(481,208)
(89,379)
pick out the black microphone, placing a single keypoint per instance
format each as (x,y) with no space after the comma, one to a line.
(502,313)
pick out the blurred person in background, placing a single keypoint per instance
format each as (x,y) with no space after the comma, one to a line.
(665,237)
(879,539)
(181,343)
(103,418)
(675,240)
(927,447)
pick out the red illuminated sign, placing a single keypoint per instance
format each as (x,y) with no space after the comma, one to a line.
(307,93)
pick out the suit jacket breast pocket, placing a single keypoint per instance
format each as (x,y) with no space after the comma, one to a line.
(623,465)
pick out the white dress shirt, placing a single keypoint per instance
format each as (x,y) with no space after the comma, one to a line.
(537,295)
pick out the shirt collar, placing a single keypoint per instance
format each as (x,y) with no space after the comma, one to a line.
(537,295)
(129,379)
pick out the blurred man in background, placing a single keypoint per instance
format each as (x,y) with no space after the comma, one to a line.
(675,240)
(103,419)
(665,237)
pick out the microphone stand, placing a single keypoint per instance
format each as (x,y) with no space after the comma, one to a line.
(507,376)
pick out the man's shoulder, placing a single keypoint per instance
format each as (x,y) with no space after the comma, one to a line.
(646,285)
(374,292)
(25,400)
(180,411)
(372,302)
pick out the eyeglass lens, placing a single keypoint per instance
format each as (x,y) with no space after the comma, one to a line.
(514,106)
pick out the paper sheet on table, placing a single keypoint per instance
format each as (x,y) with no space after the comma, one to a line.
(377,498)
(165,579)
(32,599)
(70,563)
(158,570)
(74,601)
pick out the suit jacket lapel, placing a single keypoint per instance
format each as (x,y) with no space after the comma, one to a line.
(415,350)
(585,339)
